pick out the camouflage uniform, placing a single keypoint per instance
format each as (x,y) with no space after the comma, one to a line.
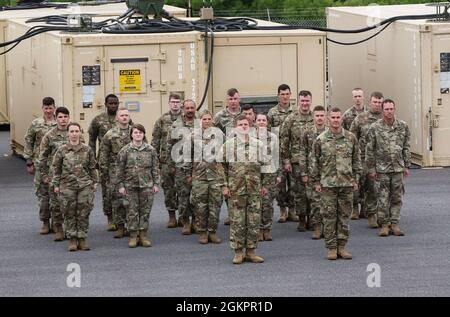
(349,116)
(269,181)
(368,191)
(138,172)
(112,142)
(224,119)
(306,158)
(160,134)
(50,143)
(335,166)
(183,167)
(38,128)
(276,116)
(97,130)
(208,182)
(388,154)
(244,182)
(74,173)
(292,132)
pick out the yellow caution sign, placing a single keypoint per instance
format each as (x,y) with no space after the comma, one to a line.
(130,80)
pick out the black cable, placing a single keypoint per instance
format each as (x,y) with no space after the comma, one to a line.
(210,65)
(361,41)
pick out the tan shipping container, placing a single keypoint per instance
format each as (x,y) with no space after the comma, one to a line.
(97,10)
(79,70)
(409,62)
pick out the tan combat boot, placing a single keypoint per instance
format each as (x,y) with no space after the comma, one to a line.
(187,230)
(283,215)
(132,243)
(355,213)
(45,227)
(214,238)
(73,245)
(252,257)
(120,231)
(227,221)
(83,245)
(172,220)
(344,254)
(59,233)
(397,231)
(238,256)
(261,235)
(332,254)
(373,222)
(267,235)
(301,224)
(384,232)
(143,241)
(203,237)
(292,216)
(180,222)
(317,234)
(111,226)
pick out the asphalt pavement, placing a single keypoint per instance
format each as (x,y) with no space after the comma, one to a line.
(33,265)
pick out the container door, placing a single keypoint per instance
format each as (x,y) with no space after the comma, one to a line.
(134,75)
(441,99)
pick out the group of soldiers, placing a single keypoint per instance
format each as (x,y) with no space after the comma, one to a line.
(322,167)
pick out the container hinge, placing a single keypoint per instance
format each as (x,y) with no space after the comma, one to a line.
(162,87)
(160,57)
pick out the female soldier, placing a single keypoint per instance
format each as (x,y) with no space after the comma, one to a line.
(208,180)
(138,176)
(75,180)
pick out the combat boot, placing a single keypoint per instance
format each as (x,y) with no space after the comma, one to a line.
(227,221)
(332,254)
(187,230)
(344,254)
(363,213)
(180,222)
(384,232)
(373,222)
(282,218)
(355,213)
(238,256)
(214,238)
(59,233)
(120,231)
(172,220)
(301,224)
(261,235)
(111,226)
(133,240)
(397,231)
(194,228)
(317,234)
(252,257)
(268,235)
(143,241)
(83,245)
(45,227)
(203,238)
(73,245)
(292,216)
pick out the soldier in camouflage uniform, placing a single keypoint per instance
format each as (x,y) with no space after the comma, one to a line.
(360,128)
(276,117)
(388,159)
(97,129)
(224,120)
(75,180)
(139,178)
(272,176)
(50,143)
(242,164)
(306,149)
(160,135)
(291,135)
(181,138)
(208,178)
(112,142)
(38,128)
(348,118)
(249,112)
(335,172)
